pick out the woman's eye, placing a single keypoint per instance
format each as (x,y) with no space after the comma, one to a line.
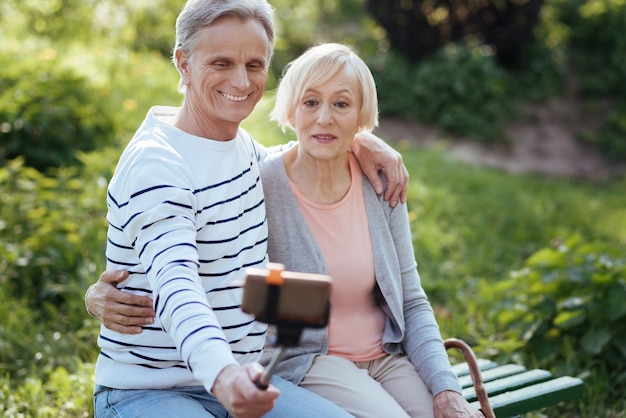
(310,103)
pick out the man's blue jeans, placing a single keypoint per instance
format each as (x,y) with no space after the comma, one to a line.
(196,402)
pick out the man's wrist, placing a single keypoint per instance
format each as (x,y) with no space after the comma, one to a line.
(86,305)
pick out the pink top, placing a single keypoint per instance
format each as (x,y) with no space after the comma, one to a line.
(342,232)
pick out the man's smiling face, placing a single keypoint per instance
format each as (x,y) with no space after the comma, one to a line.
(227,73)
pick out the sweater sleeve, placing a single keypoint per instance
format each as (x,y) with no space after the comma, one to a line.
(422,340)
(158,217)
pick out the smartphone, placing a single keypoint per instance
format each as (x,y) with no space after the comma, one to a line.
(279,297)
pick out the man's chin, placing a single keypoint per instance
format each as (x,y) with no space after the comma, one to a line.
(240,116)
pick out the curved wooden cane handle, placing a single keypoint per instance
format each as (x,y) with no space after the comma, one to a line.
(470,358)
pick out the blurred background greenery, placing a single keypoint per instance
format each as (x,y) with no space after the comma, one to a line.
(525,268)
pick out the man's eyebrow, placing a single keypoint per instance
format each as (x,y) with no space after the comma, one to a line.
(261,61)
(220,58)
(224,58)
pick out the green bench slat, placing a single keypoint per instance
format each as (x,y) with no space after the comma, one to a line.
(462,369)
(493,374)
(535,397)
(509,383)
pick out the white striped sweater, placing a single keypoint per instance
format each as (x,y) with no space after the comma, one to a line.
(186,218)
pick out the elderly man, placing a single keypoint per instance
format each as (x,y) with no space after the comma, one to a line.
(186,217)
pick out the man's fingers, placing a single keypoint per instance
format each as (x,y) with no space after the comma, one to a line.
(372,174)
(115,310)
(113,276)
(131,299)
(123,329)
(125,324)
(397,184)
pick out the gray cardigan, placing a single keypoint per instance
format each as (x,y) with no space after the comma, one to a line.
(410,327)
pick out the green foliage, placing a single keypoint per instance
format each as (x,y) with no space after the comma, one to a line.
(46,222)
(541,74)
(597,43)
(301,24)
(567,307)
(49,18)
(611,139)
(419,28)
(461,90)
(473,223)
(34,343)
(47,112)
(52,235)
(596,46)
(60,395)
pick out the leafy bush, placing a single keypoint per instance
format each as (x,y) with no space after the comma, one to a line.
(46,223)
(596,48)
(47,113)
(62,395)
(420,28)
(596,43)
(566,307)
(52,237)
(461,89)
(610,140)
(541,74)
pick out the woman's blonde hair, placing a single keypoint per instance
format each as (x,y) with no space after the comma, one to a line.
(315,67)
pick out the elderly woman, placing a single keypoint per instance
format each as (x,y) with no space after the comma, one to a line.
(382,354)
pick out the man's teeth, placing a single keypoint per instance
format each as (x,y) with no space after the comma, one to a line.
(234,98)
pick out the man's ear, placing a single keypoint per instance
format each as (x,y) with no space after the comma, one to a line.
(182,63)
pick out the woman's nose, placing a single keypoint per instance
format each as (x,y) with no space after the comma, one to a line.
(325,116)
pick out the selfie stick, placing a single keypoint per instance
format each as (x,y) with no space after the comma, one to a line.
(266,376)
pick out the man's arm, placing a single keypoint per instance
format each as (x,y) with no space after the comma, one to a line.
(376,156)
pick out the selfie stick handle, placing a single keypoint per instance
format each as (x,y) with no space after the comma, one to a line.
(266,376)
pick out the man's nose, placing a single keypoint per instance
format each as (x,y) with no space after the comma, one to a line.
(240,77)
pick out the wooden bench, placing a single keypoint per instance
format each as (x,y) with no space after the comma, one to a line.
(509,390)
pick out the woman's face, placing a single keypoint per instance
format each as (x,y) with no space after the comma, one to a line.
(327,117)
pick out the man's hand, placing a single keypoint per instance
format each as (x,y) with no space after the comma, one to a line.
(234,388)
(375,155)
(449,404)
(119,311)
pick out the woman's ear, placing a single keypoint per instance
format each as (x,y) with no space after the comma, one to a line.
(291,118)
